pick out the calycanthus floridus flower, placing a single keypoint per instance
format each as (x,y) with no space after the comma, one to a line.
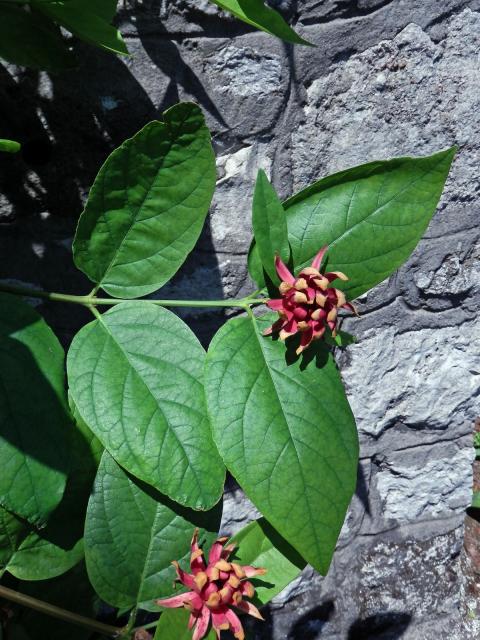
(214,588)
(309,304)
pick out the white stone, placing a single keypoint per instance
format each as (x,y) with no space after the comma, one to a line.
(424,378)
(244,72)
(439,488)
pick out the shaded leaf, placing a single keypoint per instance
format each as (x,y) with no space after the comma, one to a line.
(286,432)
(342,339)
(28,39)
(269,226)
(148,205)
(34,422)
(261,546)
(12,532)
(371,216)
(132,534)
(47,553)
(263,17)
(38,558)
(136,377)
(88,20)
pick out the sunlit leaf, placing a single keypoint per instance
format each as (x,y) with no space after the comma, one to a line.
(10,146)
(285,431)
(269,226)
(261,16)
(371,216)
(136,378)
(132,534)
(173,625)
(148,205)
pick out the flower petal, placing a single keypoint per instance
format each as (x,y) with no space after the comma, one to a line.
(192,620)
(235,624)
(201,627)
(333,275)
(250,608)
(300,313)
(219,620)
(317,261)
(283,272)
(185,578)
(181,600)
(230,548)
(247,589)
(275,304)
(216,550)
(307,337)
(251,572)
(197,563)
(350,307)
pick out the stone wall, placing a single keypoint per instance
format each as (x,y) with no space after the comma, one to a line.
(388,77)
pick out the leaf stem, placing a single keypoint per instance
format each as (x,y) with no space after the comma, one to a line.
(92,301)
(127,630)
(61,614)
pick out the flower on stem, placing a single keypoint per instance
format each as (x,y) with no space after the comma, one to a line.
(309,304)
(214,588)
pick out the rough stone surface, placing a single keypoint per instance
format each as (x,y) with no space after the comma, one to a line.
(388,77)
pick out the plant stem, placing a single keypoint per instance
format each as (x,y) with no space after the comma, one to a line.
(92,301)
(61,614)
(127,630)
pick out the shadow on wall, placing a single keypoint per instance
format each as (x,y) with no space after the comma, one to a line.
(320,622)
(68,124)
(382,626)
(310,625)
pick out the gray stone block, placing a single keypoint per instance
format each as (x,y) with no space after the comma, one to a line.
(387,78)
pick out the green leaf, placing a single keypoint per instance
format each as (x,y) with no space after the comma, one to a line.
(34,421)
(132,534)
(30,554)
(255,266)
(286,432)
(136,377)
(86,22)
(49,552)
(263,17)
(38,558)
(476,444)
(342,339)
(148,205)
(173,625)
(261,546)
(474,509)
(28,39)
(12,532)
(269,226)
(106,9)
(371,216)
(476,500)
(10,146)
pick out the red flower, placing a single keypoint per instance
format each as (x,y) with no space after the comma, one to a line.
(214,588)
(308,304)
